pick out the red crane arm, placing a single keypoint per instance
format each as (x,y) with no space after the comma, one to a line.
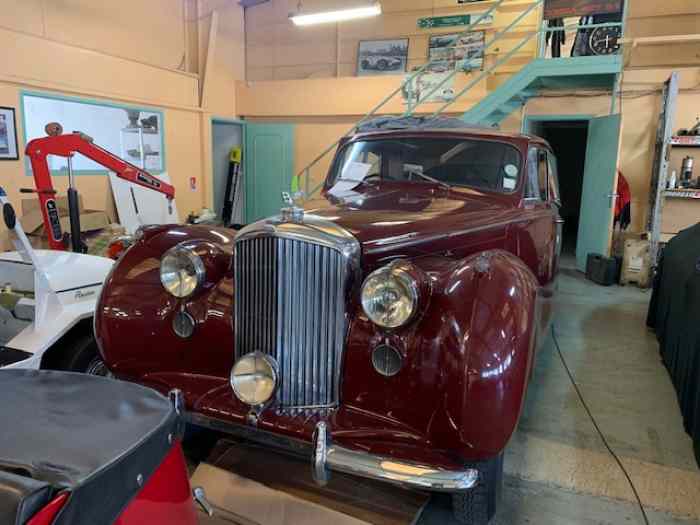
(66,146)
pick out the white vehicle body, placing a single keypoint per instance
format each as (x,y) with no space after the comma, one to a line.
(57,290)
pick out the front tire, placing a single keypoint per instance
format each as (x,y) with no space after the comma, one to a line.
(478,505)
(79,354)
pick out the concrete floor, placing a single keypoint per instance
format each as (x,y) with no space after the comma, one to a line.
(557,468)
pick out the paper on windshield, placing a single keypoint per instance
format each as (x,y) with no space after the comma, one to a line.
(352,175)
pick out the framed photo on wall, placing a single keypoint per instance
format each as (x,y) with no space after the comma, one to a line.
(382,57)
(8,134)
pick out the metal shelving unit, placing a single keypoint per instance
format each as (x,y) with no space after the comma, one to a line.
(659,179)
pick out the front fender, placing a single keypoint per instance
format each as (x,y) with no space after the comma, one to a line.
(489,302)
(466,358)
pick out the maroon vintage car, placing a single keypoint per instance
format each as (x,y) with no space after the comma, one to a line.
(388,334)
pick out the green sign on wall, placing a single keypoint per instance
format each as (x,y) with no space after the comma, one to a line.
(430,22)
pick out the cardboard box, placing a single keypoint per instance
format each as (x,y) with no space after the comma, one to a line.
(33,221)
(241,501)
(95,226)
(636,265)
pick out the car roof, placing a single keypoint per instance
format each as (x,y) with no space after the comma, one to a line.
(467,132)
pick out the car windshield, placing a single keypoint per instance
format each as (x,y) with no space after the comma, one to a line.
(480,164)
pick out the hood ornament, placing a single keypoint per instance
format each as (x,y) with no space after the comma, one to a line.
(293,212)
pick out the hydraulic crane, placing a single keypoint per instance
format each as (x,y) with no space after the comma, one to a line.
(67,145)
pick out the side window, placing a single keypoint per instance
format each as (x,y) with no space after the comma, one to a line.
(376,162)
(532,190)
(553,178)
(542,169)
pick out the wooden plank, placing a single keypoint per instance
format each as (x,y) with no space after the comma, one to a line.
(366,500)
(661,40)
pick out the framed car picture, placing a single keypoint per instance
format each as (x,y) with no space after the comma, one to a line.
(382,57)
(8,134)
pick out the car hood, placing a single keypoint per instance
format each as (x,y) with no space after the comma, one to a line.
(412,219)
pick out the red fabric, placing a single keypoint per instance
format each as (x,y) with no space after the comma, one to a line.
(624,195)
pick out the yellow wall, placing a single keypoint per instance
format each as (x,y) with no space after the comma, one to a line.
(130,52)
(660,19)
(278,50)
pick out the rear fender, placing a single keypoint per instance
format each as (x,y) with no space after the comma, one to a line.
(489,301)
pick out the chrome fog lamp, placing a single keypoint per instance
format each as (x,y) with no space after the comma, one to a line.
(390,297)
(254,378)
(181,271)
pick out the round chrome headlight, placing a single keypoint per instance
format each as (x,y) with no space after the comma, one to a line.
(181,271)
(254,378)
(390,297)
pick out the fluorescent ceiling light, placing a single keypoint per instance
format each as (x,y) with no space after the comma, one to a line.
(338,16)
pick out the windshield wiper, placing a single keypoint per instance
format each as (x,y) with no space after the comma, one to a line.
(430,179)
(357,182)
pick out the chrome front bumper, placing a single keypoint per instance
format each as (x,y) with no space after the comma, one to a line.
(327,457)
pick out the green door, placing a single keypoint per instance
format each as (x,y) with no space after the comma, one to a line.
(269,165)
(599,183)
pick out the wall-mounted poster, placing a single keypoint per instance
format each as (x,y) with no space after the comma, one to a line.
(382,57)
(8,135)
(429,86)
(457,51)
(564,8)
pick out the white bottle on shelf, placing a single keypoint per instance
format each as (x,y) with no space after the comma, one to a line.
(673,180)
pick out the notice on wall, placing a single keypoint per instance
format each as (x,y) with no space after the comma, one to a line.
(564,8)
(429,86)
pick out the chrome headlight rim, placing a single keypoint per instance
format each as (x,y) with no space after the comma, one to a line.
(274,376)
(187,251)
(394,270)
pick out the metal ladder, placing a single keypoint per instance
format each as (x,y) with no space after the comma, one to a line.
(406,86)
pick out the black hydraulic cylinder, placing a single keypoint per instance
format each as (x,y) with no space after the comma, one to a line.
(77,244)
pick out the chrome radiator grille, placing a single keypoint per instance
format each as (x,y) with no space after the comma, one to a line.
(290,304)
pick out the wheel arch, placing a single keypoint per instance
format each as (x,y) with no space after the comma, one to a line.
(54,355)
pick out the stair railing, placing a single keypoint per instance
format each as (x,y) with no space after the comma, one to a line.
(411,110)
(517,48)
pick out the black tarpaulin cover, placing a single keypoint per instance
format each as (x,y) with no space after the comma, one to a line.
(90,435)
(674,313)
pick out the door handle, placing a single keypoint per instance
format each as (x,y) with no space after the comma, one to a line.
(612,197)
(559,220)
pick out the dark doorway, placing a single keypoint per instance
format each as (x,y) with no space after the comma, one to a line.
(568,139)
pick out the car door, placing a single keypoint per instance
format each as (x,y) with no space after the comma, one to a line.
(555,202)
(544,215)
(540,250)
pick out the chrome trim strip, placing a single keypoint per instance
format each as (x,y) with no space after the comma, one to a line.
(474,229)
(325,457)
(313,229)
